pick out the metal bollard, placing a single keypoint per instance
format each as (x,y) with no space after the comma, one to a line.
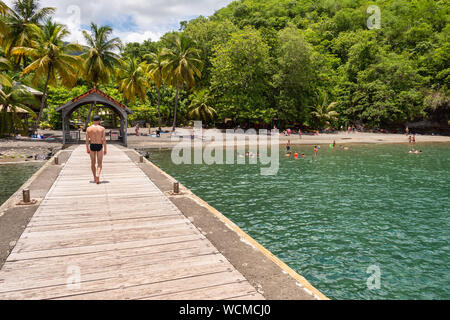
(26,196)
(141,159)
(56,160)
(176,188)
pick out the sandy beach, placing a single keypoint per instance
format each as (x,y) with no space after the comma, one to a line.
(26,150)
(342,138)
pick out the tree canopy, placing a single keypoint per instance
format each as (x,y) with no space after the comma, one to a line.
(306,63)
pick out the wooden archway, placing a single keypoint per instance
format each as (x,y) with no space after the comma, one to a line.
(94,97)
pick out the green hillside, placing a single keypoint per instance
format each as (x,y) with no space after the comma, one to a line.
(290,60)
(314,64)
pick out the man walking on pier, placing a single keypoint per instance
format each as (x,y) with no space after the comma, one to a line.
(96,147)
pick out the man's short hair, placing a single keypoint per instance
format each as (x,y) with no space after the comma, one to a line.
(96,119)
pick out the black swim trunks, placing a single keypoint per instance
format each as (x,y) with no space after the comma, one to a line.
(96,147)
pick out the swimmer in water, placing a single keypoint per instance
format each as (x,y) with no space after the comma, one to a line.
(303,155)
(316,151)
(296,156)
(288,146)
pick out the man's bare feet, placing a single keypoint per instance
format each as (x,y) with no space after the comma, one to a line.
(97,180)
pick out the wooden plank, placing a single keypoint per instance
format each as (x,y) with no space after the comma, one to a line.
(80,224)
(120,236)
(117,283)
(16,281)
(81,229)
(220,292)
(152,253)
(148,290)
(100,248)
(250,297)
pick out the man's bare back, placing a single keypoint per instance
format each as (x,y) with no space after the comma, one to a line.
(96,134)
(96,147)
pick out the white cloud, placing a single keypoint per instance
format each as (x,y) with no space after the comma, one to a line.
(132,20)
(138,36)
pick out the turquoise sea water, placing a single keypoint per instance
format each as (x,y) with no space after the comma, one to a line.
(332,218)
(13,176)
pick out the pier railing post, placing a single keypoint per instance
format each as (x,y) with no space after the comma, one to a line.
(26,196)
(176,187)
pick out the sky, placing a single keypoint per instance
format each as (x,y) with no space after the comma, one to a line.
(132,20)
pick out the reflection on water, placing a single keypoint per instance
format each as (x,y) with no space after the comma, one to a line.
(332,218)
(13,176)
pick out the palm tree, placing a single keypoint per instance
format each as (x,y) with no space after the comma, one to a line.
(132,79)
(182,64)
(200,108)
(324,113)
(4,10)
(51,57)
(23,14)
(155,71)
(4,66)
(100,59)
(11,98)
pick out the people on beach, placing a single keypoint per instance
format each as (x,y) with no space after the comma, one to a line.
(407,131)
(137,130)
(412,144)
(96,147)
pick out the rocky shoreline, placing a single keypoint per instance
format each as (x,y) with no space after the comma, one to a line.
(22,151)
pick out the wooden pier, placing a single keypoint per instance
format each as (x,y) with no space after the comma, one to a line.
(122,239)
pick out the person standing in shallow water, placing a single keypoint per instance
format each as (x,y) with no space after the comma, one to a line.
(96,147)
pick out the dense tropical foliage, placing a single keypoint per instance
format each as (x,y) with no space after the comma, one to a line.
(308,63)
